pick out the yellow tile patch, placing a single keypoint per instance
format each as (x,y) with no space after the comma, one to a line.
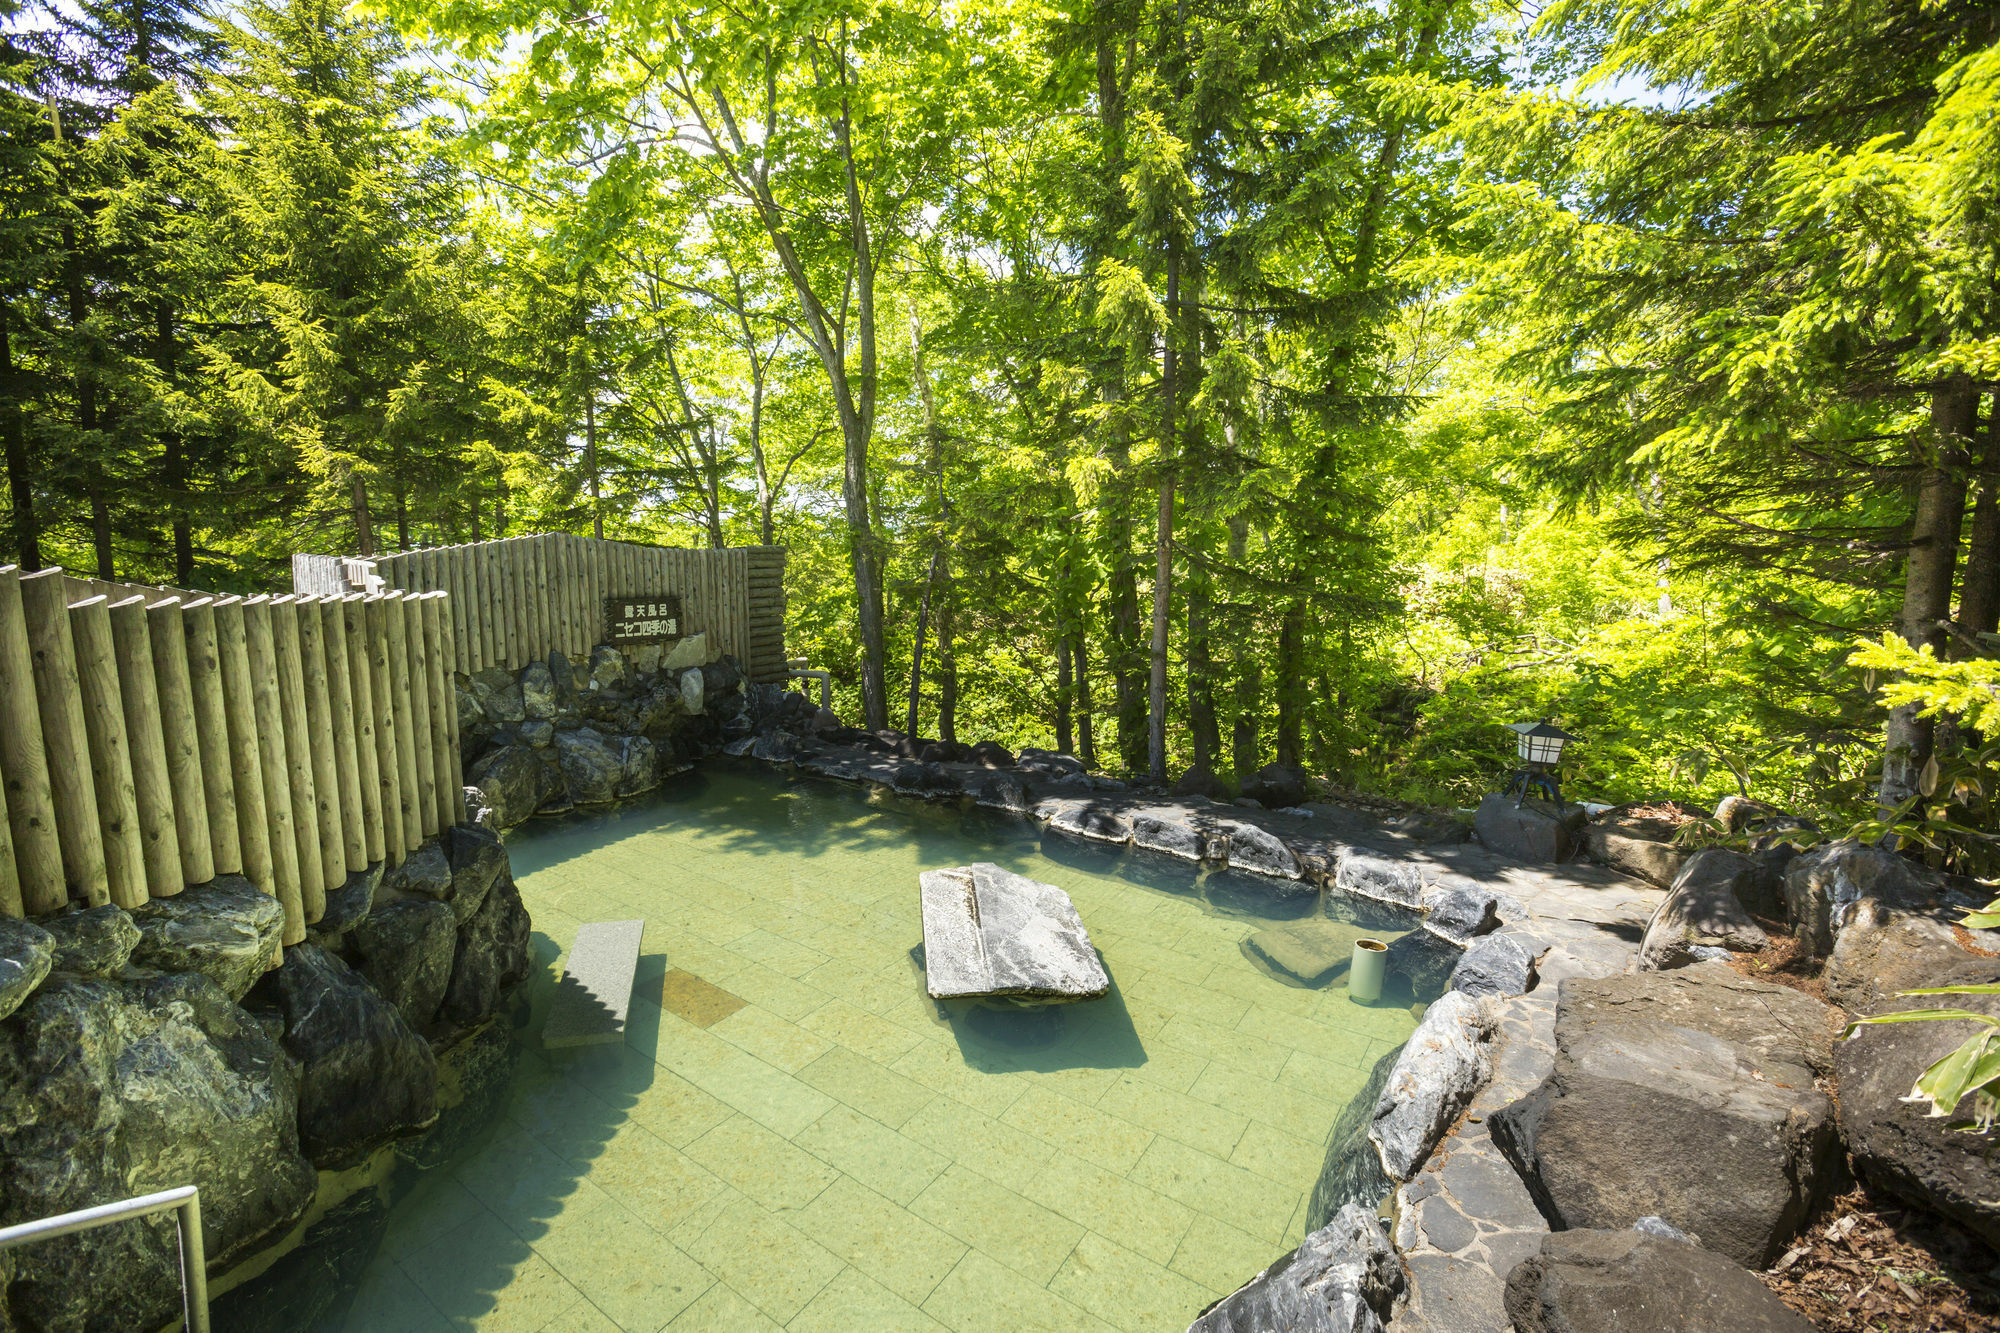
(687,996)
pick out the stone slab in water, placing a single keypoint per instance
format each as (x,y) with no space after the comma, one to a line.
(988,931)
(596,987)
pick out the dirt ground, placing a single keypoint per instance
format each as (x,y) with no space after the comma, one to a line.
(1869,1265)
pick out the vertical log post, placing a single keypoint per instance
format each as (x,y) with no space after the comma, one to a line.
(298,756)
(359,623)
(24,764)
(246,763)
(448,792)
(145,731)
(382,613)
(320,745)
(274,764)
(110,751)
(419,667)
(45,605)
(346,732)
(211,734)
(166,628)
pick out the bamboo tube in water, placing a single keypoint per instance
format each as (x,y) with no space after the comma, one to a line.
(59,697)
(359,622)
(298,756)
(420,668)
(383,612)
(449,794)
(321,748)
(346,735)
(145,732)
(211,734)
(24,764)
(110,751)
(274,763)
(166,631)
(246,760)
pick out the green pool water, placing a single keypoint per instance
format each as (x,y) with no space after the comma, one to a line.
(793,1135)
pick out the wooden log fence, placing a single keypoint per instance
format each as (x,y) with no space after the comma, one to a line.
(515,600)
(154,738)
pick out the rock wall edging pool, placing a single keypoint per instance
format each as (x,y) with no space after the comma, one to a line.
(159,1047)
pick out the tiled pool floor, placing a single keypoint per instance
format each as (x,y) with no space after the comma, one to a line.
(794,1136)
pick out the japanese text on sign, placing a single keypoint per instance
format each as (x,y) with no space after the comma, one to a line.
(641,619)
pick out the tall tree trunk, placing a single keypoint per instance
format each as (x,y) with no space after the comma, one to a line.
(1065,733)
(1086,726)
(173,462)
(1291,684)
(86,411)
(1979,588)
(1243,735)
(100,530)
(590,464)
(364,524)
(1202,727)
(1163,533)
(917,648)
(472,512)
(14,440)
(947,653)
(1927,571)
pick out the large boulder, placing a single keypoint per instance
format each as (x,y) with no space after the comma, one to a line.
(365,1075)
(424,873)
(991,932)
(1704,914)
(1942,1164)
(1822,884)
(1089,819)
(1461,910)
(1343,1278)
(114,1088)
(692,651)
(538,691)
(1252,848)
(1532,831)
(1384,878)
(1883,950)
(1171,831)
(92,941)
(348,904)
(1276,785)
(593,765)
(997,789)
(987,754)
(1689,1095)
(26,952)
(1442,1067)
(227,929)
(1642,847)
(478,860)
(1502,964)
(494,956)
(512,783)
(1591,1281)
(405,949)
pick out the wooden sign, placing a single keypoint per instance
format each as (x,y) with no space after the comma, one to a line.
(652,618)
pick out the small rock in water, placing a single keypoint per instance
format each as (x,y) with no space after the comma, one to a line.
(988,931)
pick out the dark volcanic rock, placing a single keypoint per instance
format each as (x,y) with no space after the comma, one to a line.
(1196,782)
(1688,1095)
(1632,1282)
(1343,1278)
(1705,911)
(1534,831)
(227,930)
(92,941)
(1277,785)
(405,950)
(110,1089)
(512,783)
(1820,885)
(353,900)
(1502,964)
(992,754)
(1642,848)
(1937,1163)
(365,1075)
(26,951)
(478,859)
(424,872)
(593,765)
(1883,950)
(493,957)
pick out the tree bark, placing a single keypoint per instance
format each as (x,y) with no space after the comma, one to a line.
(1086,729)
(947,653)
(917,648)
(1065,733)
(1202,727)
(1934,529)
(590,464)
(173,461)
(1291,685)
(1979,587)
(1163,534)
(364,527)
(14,439)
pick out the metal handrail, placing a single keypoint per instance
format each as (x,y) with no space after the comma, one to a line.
(185,1202)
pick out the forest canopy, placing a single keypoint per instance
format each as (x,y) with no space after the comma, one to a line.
(1187,385)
